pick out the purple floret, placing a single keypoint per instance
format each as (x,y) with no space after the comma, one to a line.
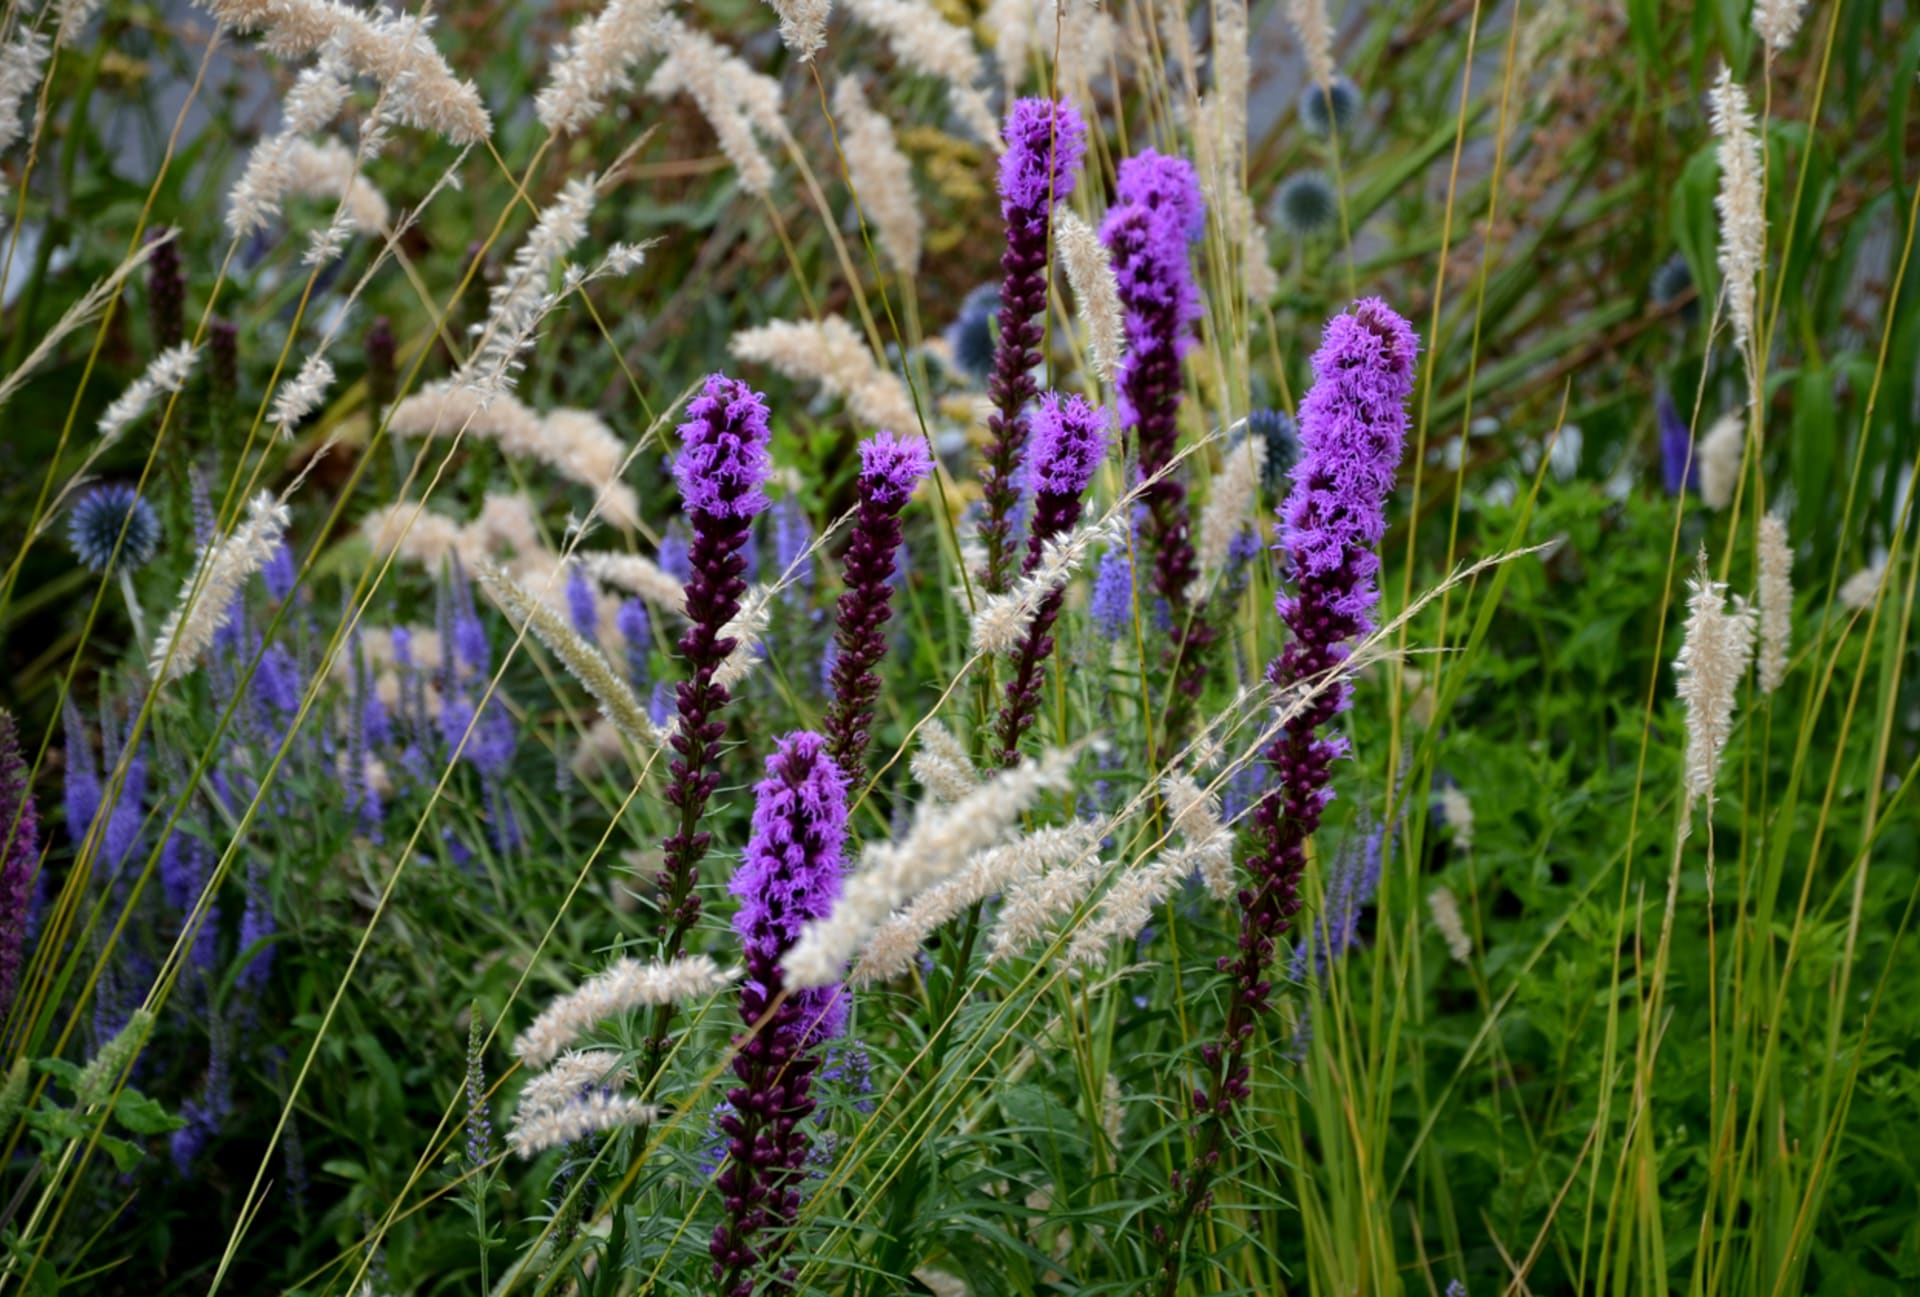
(723,464)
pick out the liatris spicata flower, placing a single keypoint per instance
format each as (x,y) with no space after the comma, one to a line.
(20,838)
(113,516)
(1160,213)
(790,877)
(891,468)
(1714,654)
(1776,601)
(1069,441)
(1352,429)
(1045,142)
(721,470)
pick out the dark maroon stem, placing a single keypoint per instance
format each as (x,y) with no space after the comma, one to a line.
(1054,514)
(859,635)
(1010,386)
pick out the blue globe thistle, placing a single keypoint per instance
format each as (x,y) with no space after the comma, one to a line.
(1334,107)
(1277,429)
(1672,281)
(98,519)
(1305,204)
(970,336)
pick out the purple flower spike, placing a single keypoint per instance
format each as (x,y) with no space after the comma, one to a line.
(1069,441)
(20,837)
(722,471)
(1679,468)
(1353,426)
(1147,234)
(1045,142)
(789,877)
(890,468)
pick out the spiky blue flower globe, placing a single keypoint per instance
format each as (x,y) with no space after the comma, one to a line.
(94,530)
(1277,429)
(1323,110)
(970,336)
(1672,281)
(1305,204)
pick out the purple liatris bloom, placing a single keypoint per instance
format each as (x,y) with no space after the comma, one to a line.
(1045,142)
(1147,234)
(20,837)
(1069,441)
(1353,427)
(1679,469)
(890,469)
(721,469)
(790,876)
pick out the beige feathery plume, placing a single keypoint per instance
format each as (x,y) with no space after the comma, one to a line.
(1457,810)
(831,354)
(1232,508)
(1776,21)
(1714,653)
(569,1074)
(803,25)
(1207,846)
(1095,290)
(590,1114)
(745,630)
(937,845)
(577,444)
(926,42)
(1000,621)
(21,59)
(739,103)
(882,177)
(206,596)
(593,63)
(1032,906)
(942,766)
(1776,601)
(1743,219)
(301,397)
(641,576)
(1857,592)
(896,942)
(1445,909)
(942,1284)
(1719,460)
(583,661)
(330,169)
(627,985)
(1079,35)
(1113,1116)
(166,373)
(521,297)
(392,49)
(1315,33)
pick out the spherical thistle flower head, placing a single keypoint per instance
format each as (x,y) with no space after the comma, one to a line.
(723,463)
(891,466)
(1045,142)
(970,336)
(1282,435)
(1165,185)
(1329,108)
(1305,204)
(1352,428)
(1671,281)
(1069,441)
(96,526)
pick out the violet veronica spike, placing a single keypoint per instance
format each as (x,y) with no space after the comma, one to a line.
(721,470)
(1045,142)
(790,876)
(1353,427)
(1069,441)
(890,469)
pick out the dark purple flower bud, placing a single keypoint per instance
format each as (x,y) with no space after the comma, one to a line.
(20,858)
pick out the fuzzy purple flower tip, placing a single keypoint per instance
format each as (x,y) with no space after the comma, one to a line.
(1353,427)
(1045,142)
(1167,185)
(723,463)
(1069,441)
(891,466)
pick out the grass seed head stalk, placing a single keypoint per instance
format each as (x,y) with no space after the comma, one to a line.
(1045,142)
(1353,426)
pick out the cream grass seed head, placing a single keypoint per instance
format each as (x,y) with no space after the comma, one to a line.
(1032,906)
(1776,602)
(301,397)
(926,42)
(1743,218)
(1777,21)
(739,103)
(803,25)
(166,373)
(941,765)
(1719,460)
(1857,592)
(592,1113)
(935,847)
(1207,846)
(567,1077)
(521,297)
(594,63)
(207,595)
(881,176)
(21,59)
(1714,653)
(1000,621)
(830,353)
(627,985)
(1445,909)
(1315,33)
(1233,506)
(1096,292)
(638,575)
